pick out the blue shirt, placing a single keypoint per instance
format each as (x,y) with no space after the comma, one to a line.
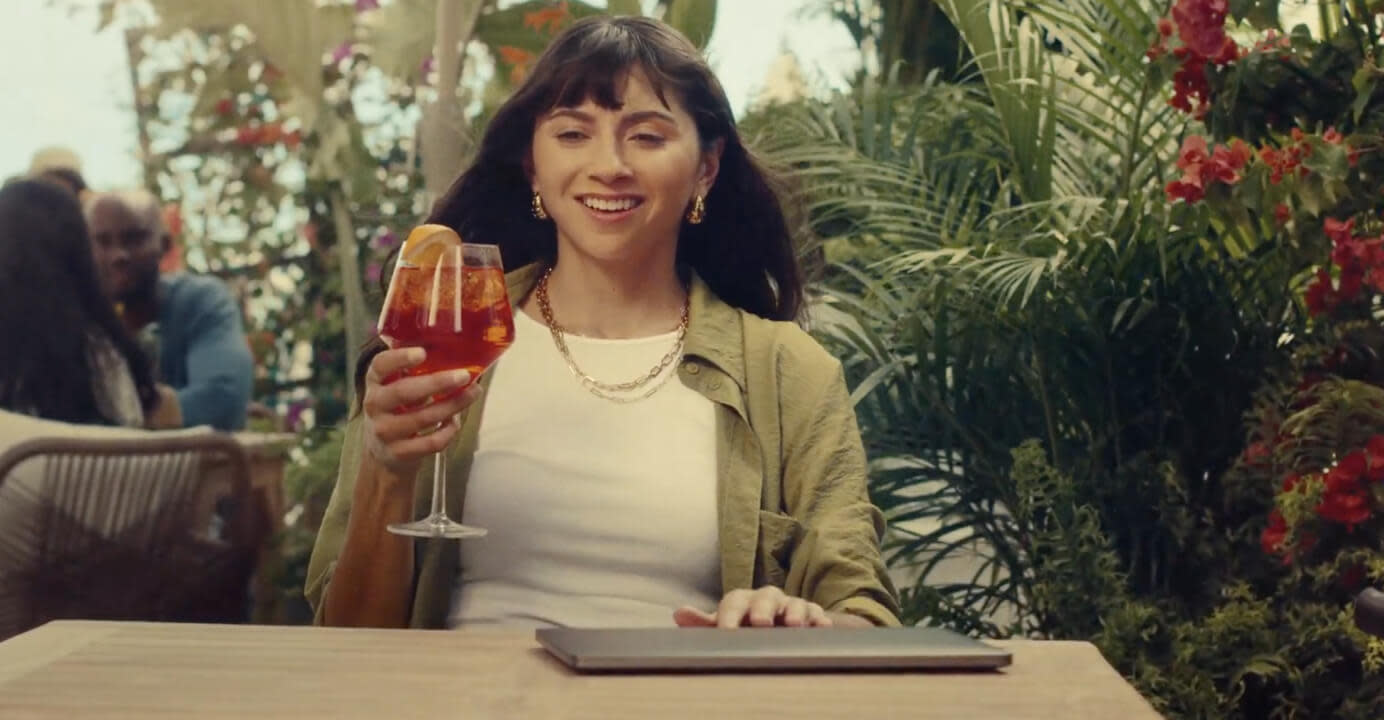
(202,351)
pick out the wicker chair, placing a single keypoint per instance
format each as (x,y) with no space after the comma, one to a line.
(1369,612)
(149,528)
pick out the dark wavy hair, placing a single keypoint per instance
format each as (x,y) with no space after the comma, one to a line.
(52,304)
(743,250)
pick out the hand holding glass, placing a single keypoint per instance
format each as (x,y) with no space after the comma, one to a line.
(448,298)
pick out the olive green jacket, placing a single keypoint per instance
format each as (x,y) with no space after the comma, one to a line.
(792,502)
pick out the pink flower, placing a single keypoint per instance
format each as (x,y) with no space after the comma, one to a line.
(1201,27)
(341,52)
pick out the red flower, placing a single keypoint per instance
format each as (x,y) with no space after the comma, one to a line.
(1332,137)
(1188,192)
(1257,453)
(224,106)
(1347,472)
(1200,170)
(1279,162)
(271,134)
(247,136)
(1291,481)
(1346,508)
(1238,153)
(1282,214)
(1374,457)
(1346,501)
(519,60)
(1165,27)
(1226,162)
(554,18)
(1274,535)
(1194,152)
(1338,231)
(515,55)
(1191,89)
(1201,25)
(1320,295)
(1352,279)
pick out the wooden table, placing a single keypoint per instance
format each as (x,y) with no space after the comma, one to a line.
(73,670)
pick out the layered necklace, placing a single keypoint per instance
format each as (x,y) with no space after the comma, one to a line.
(634,390)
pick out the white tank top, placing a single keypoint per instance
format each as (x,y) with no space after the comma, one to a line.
(599,514)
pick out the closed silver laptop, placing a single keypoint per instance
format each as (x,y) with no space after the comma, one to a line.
(768,649)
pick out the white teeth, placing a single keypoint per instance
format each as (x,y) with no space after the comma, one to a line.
(610,205)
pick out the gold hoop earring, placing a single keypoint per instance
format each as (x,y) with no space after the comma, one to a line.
(537,204)
(698,212)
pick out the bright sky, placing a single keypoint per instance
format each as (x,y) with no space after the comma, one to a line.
(64,84)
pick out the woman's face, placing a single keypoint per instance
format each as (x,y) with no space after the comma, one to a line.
(618,182)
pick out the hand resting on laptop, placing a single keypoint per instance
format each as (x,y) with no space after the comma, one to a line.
(768,606)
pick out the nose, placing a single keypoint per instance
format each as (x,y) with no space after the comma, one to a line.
(608,163)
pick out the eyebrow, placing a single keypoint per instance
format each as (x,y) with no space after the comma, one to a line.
(631,119)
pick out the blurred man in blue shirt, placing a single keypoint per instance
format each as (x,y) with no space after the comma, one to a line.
(200,349)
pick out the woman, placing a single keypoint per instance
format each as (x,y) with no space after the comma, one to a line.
(70,359)
(700,462)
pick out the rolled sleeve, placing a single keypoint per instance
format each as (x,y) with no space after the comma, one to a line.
(838,563)
(331,536)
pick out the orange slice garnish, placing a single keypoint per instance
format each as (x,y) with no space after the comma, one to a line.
(426,243)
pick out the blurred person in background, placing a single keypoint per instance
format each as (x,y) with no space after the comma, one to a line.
(68,357)
(190,322)
(62,166)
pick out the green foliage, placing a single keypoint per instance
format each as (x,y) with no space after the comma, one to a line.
(1072,566)
(694,18)
(308,483)
(1006,265)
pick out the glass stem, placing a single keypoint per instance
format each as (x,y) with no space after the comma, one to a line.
(439,493)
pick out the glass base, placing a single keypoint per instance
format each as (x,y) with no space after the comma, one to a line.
(437,526)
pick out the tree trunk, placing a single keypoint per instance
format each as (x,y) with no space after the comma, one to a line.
(443,133)
(352,291)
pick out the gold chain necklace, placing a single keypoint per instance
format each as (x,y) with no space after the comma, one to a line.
(608,391)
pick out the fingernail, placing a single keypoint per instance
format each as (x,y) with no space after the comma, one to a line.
(417,355)
(460,377)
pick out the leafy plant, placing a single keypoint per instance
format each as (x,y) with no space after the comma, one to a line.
(1068,286)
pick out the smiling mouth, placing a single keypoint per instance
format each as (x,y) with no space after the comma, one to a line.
(611,205)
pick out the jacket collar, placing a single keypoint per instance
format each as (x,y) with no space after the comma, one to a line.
(714,332)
